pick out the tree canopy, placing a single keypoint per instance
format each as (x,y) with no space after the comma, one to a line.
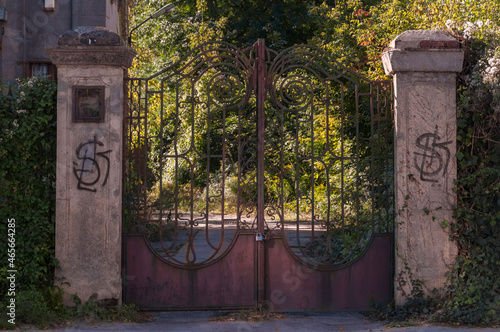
(354,31)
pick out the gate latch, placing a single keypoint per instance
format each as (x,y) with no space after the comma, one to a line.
(259,237)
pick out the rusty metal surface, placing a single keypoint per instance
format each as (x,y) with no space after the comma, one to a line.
(288,155)
(293,285)
(155,285)
(261,97)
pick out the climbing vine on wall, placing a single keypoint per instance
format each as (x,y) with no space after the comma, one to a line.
(474,285)
(27,180)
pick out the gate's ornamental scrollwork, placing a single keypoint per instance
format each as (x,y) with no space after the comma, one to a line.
(252,140)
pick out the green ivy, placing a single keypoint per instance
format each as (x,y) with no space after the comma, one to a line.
(474,284)
(27,181)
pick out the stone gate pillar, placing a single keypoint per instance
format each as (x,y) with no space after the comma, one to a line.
(90,64)
(424,65)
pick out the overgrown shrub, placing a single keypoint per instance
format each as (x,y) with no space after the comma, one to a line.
(474,284)
(27,182)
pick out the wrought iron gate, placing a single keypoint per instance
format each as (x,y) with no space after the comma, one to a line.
(258,178)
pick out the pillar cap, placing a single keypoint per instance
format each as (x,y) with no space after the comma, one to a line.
(423,51)
(90,36)
(119,56)
(91,46)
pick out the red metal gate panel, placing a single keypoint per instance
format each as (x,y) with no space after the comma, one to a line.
(293,285)
(228,282)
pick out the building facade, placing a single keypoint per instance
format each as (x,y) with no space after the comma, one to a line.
(28,26)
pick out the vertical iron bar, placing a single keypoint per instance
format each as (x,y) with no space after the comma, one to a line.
(176,160)
(297,177)
(357,158)
(145,151)
(137,177)
(372,157)
(160,196)
(239,211)
(391,155)
(327,167)
(261,98)
(223,193)
(313,168)
(281,124)
(379,162)
(137,156)
(342,120)
(207,182)
(190,245)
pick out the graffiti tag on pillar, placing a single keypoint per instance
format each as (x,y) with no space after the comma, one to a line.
(434,158)
(89,171)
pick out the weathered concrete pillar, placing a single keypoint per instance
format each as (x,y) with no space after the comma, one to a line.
(424,65)
(90,63)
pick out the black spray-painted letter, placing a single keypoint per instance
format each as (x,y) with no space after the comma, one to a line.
(89,172)
(431,161)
